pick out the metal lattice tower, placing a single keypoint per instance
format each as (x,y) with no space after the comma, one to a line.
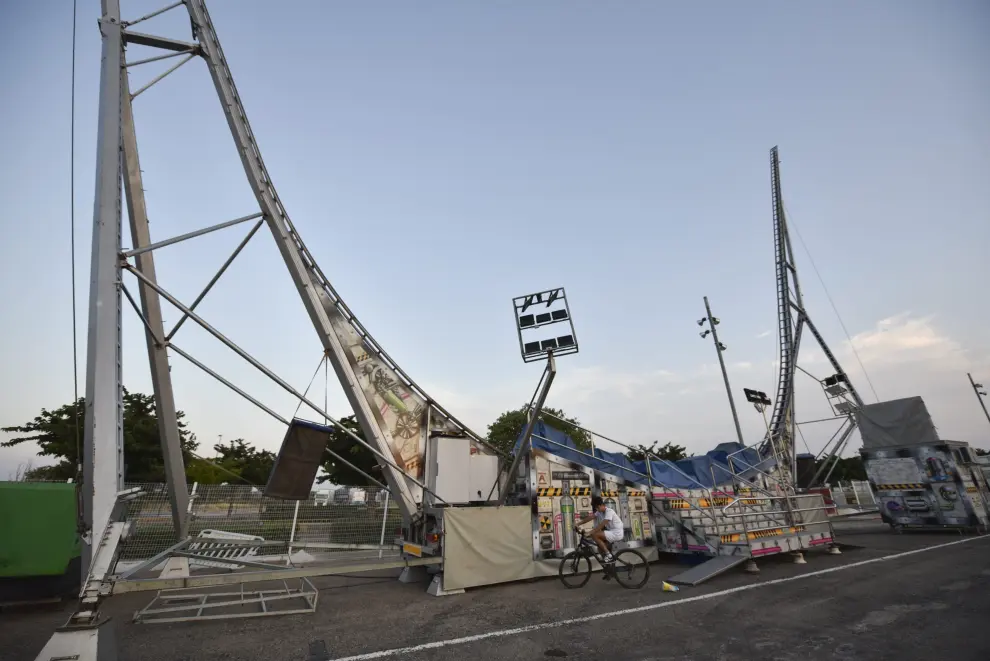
(792,318)
(396,430)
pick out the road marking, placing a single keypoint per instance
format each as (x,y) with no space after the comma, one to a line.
(398,651)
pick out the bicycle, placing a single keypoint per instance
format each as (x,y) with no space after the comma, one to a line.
(577,565)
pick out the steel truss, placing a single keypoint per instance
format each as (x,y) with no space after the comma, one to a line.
(345,341)
(792,319)
(339,331)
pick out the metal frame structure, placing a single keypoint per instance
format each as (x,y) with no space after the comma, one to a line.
(792,319)
(348,346)
(363,368)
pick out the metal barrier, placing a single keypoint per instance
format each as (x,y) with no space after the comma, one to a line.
(358,521)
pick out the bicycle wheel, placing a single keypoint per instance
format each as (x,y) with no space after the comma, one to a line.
(631,569)
(574,570)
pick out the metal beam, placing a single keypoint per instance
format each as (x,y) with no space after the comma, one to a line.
(103,439)
(154,41)
(281,382)
(208,580)
(161,379)
(190,235)
(548,375)
(310,291)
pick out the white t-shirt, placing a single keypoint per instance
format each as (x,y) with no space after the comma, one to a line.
(613,522)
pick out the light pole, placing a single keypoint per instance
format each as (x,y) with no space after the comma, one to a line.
(719,348)
(534,312)
(980,394)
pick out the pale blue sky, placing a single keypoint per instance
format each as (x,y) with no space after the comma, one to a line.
(440,158)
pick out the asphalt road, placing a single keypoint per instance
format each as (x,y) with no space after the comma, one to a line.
(933,604)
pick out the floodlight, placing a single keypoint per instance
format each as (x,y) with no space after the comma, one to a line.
(756,397)
(721,347)
(551,308)
(704,334)
(701,322)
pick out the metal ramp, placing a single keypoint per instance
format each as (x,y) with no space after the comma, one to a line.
(710,569)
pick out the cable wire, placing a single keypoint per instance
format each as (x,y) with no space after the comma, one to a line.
(72,247)
(811,261)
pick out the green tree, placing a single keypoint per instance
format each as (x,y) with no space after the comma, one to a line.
(502,433)
(848,468)
(235,462)
(980,452)
(345,446)
(667,451)
(55,433)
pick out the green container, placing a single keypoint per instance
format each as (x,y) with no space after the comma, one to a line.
(37,528)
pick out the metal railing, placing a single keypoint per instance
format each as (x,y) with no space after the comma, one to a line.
(361,521)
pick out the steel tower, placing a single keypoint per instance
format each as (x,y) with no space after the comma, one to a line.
(792,319)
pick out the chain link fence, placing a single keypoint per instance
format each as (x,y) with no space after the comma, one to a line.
(361,521)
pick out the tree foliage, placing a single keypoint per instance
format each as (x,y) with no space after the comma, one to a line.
(236,462)
(668,451)
(344,445)
(55,433)
(848,468)
(980,452)
(502,433)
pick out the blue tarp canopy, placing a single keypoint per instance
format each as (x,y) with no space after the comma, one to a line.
(689,473)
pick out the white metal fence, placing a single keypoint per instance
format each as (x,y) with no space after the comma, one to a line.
(854,493)
(350,519)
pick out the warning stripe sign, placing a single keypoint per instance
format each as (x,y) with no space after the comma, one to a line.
(544,492)
(895,487)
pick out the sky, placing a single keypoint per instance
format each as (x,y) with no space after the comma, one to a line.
(441,158)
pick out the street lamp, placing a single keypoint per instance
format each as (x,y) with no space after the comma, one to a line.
(719,348)
(980,394)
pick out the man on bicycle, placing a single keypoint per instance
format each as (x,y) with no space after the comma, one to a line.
(608,528)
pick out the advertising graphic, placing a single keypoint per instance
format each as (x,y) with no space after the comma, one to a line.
(401,413)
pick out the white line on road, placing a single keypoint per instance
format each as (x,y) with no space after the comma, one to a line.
(639,609)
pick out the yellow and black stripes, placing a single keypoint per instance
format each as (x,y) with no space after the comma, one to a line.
(548,492)
(615,494)
(717,502)
(897,487)
(636,493)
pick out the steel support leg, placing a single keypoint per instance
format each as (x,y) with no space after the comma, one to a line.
(161,379)
(103,439)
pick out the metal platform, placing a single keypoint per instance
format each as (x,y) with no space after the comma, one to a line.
(707,570)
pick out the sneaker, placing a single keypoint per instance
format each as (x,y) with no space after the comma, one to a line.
(609,559)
